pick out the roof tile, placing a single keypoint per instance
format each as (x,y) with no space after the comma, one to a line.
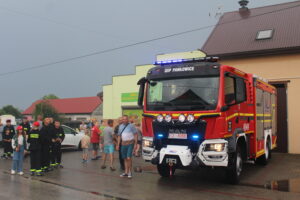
(235,34)
(69,105)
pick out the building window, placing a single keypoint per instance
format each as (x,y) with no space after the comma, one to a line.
(264,34)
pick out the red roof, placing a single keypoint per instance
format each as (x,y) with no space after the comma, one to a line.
(235,34)
(69,105)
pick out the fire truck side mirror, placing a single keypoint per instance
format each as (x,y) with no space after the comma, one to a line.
(141,83)
(224,108)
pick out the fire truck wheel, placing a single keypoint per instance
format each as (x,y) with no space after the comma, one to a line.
(263,160)
(234,171)
(164,170)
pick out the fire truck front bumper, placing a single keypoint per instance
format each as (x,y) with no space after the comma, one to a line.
(148,151)
(213,153)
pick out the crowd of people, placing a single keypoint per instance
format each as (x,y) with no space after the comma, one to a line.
(43,141)
(125,137)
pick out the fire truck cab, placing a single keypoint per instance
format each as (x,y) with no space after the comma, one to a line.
(198,113)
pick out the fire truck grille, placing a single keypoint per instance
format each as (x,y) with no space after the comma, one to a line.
(176,133)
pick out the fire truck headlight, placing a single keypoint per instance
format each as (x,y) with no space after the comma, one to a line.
(159,118)
(168,118)
(218,147)
(147,142)
(190,118)
(181,118)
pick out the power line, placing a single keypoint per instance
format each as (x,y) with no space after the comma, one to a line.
(71,26)
(137,43)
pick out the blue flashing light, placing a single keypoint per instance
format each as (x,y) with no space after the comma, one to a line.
(160,135)
(169,61)
(180,60)
(195,137)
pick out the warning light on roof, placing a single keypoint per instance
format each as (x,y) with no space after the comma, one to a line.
(190,56)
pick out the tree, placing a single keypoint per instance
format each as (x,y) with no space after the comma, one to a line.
(50,96)
(46,110)
(11,110)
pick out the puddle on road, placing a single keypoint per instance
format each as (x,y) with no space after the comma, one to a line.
(82,190)
(107,196)
(291,185)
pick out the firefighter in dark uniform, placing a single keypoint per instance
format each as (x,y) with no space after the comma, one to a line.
(6,141)
(46,143)
(57,138)
(52,153)
(7,135)
(26,126)
(34,139)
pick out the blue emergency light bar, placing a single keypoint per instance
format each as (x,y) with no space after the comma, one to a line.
(207,59)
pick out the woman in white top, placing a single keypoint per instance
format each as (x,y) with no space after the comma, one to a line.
(18,144)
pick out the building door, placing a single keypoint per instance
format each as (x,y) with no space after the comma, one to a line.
(282,121)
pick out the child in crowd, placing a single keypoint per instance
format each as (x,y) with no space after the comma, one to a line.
(108,141)
(85,143)
(7,137)
(18,144)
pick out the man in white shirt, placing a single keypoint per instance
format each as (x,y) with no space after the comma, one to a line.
(127,137)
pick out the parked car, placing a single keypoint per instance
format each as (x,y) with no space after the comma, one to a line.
(1,130)
(75,124)
(71,141)
(12,118)
(72,138)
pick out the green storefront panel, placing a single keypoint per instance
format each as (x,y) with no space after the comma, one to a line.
(135,115)
(129,97)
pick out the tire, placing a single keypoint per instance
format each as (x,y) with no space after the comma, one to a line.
(79,146)
(263,160)
(233,172)
(164,170)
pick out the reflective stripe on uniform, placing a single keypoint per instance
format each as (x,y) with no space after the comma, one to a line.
(34,135)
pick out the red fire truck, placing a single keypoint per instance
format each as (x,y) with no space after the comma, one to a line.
(198,112)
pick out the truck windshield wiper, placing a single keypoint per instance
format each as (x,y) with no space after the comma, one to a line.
(160,103)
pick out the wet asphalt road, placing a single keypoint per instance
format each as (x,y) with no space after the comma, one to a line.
(88,181)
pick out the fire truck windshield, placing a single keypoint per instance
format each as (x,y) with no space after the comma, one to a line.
(184,94)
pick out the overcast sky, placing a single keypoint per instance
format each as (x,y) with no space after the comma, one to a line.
(34,32)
